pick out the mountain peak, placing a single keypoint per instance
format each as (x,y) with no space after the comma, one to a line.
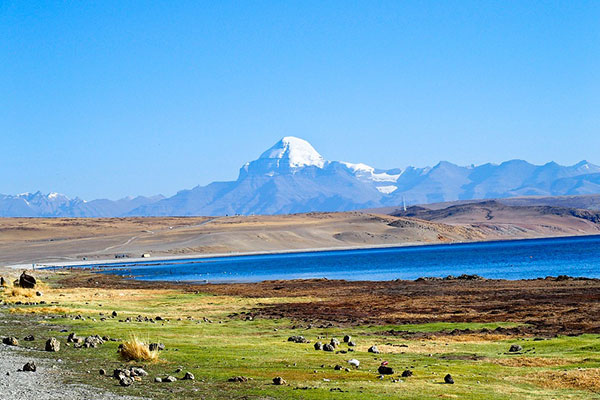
(294,152)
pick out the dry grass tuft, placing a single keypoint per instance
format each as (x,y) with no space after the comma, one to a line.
(41,310)
(586,379)
(20,292)
(136,350)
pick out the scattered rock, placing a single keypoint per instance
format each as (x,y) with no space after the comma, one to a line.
(448,379)
(515,348)
(351,343)
(39,294)
(156,346)
(52,344)
(10,341)
(328,347)
(189,376)
(125,381)
(385,370)
(406,373)
(334,342)
(279,381)
(238,379)
(318,346)
(178,370)
(297,339)
(2,281)
(92,341)
(373,349)
(158,379)
(137,371)
(347,338)
(170,379)
(338,367)
(27,281)
(29,338)
(114,314)
(102,371)
(30,367)
(354,362)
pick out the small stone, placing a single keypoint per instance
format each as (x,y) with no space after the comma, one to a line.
(30,367)
(334,342)
(406,373)
(158,379)
(29,338)
(373,349)
(354,362)
(385,370)
(39,294)
(297,339)
(10,341)
(52,344)
(178,370)
(318,346)
(114,314)
(170,379)
(351,343)
(347,338)
(337,367)
(125,381)
(448,379)
(328,347)
(279,381)
(515,348)
(137,371)
(189,376)
(102,371)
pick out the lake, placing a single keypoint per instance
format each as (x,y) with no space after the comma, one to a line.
(518,259)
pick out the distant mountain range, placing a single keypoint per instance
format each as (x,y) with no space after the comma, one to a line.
(293,177)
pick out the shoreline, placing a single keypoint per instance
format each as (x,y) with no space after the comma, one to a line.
(152,259)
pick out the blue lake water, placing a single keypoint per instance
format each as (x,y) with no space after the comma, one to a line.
(519,259)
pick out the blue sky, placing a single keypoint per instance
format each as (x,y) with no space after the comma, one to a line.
(115,98)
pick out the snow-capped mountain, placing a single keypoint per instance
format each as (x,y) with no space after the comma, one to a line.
(292,176)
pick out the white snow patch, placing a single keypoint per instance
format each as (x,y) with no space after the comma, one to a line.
(297,152)
(366,171)
(387,189)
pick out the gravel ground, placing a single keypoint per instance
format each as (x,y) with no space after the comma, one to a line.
(44,384)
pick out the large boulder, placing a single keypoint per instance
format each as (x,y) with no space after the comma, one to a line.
(10,341)
(27,281)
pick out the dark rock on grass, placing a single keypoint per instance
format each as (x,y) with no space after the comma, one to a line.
(334,342)
(406,373)
(188,376)
(119,373)
(92,341)
(114,314)
(347,338)
(297,339)
(10,341)
(240,379)
(2,281)
(30,367)
(448,379)
(373,349)
(338,367)
(170,379)
(328,347)
(351,343)
(102,371)
(318,346)
(39,294)
(279,381)
(178,370)
(27,281)
(125,381)
(385,370)
(515,348)
(156,346)
(52,344)
(29,338)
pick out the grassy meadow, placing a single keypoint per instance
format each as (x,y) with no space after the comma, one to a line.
(210,336)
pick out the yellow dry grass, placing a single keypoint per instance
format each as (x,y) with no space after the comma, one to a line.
(581,378)
(136,350)
(19,292)
(534,361)
(41,310)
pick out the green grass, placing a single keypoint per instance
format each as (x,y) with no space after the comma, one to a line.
(258,349)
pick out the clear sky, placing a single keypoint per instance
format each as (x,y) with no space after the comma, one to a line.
(115,98)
